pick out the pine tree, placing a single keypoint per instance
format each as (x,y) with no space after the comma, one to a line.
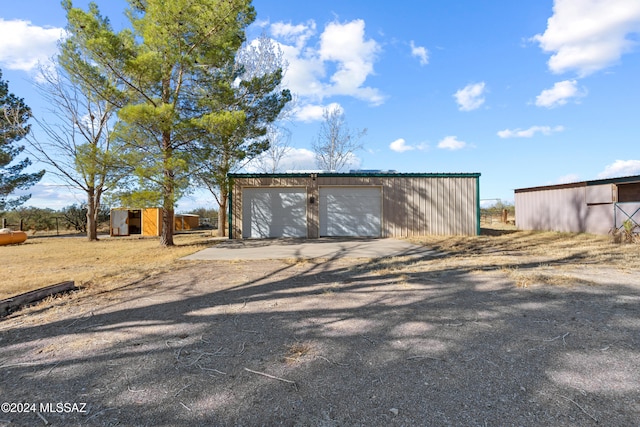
(159,64)
(14,114)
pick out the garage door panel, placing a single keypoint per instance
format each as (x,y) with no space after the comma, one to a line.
(350,211)
(274,212)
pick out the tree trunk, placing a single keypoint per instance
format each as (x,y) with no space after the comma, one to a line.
(222,214)
(92,215)
(166,233)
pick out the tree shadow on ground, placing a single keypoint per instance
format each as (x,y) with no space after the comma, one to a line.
(331,342)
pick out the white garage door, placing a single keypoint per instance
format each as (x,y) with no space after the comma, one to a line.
(274,212)
(350,211)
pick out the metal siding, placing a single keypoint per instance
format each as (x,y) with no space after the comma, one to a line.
(429,184)
(599,218)
(439,203)
(419,205)
(560,209)
(599,194)
(411,205)
(401,211)
(454,209)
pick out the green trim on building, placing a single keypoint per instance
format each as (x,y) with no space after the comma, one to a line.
(389,175)
(356,174)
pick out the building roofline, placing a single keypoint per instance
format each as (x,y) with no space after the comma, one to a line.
(356,174)
(620,180)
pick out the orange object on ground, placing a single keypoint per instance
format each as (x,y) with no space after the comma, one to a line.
(9,237)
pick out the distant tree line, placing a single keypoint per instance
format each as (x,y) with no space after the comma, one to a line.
(73,217)
(498,207)
(499,211)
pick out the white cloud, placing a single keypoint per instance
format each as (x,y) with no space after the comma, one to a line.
(400,146)
(470,97)
(354,56)
(337,64)
(621,168)
(589,35)
(528,133)
(298,159)
(299,34)
(313,113)
(293,159)
(451,143)
(24,44)
(52,195)
(559,94)
(420,52)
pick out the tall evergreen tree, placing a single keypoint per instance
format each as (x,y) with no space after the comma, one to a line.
(14,114)
(160,64)
(253,100)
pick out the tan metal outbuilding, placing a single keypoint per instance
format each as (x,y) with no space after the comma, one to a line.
(319,204)
(595,206)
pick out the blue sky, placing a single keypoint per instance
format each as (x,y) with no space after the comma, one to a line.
(528,92)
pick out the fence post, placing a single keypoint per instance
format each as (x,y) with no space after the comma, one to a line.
(4,222)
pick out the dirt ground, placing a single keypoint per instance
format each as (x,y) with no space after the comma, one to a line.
(436,341)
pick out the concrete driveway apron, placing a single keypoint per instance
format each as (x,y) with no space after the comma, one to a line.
(248,249)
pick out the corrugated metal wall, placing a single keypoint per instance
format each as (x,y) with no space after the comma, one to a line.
(411,205)
(579,209)
(562,209)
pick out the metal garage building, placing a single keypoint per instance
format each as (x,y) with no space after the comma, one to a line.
(327,204)
(581,207)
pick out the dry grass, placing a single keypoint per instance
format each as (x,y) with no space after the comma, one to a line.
(509,247)
(532,257)
(43,261)
(297,351)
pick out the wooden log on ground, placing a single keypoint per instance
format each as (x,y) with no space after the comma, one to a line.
(10,305)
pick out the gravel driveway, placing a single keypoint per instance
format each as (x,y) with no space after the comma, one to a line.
(329,342)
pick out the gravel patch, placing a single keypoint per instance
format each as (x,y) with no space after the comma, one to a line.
(330,342)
